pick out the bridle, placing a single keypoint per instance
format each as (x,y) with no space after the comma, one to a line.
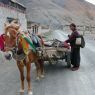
(15,49)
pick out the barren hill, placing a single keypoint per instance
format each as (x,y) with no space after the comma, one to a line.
(59,12)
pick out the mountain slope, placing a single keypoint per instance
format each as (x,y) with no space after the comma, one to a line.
(57,12)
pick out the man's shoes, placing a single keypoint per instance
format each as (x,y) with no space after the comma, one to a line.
(74,68)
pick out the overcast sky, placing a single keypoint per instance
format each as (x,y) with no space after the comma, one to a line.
(91,1)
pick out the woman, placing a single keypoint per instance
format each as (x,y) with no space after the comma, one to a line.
(75,50)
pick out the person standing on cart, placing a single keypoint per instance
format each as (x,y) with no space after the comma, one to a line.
(75,50)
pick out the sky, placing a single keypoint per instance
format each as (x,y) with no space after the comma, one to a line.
(91,1)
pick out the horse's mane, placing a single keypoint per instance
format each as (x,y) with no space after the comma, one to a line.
(12,25)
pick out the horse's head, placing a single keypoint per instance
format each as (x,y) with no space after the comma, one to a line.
(11,32)
(15,43)
(10,37)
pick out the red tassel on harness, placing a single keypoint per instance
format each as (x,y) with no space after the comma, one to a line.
(2,42)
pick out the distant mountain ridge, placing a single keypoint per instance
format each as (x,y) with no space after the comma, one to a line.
(60,12)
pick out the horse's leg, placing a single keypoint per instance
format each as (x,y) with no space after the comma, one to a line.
(38,70)
(28,67)
(21,69)
(41,63)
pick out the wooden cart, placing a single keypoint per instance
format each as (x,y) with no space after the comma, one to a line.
(54,53)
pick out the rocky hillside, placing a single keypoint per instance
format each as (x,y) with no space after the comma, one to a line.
(59,12)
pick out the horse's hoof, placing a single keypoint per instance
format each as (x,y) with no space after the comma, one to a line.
(21,90)
(38,78)
(42,76)
(30,93)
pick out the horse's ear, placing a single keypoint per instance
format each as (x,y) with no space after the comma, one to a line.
(6,26)
(15,25)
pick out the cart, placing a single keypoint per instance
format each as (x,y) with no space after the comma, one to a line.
(55,52)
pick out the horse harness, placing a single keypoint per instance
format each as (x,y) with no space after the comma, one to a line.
(18,54)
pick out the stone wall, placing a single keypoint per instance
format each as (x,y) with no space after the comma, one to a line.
(6,11)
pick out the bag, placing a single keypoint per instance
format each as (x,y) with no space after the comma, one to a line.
(80,41)
(36,40)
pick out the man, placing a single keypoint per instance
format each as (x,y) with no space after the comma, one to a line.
(75,50)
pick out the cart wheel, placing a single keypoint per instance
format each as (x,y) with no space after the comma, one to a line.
(68,59)
(50,62)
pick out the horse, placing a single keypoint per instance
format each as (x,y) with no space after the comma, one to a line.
(12,43)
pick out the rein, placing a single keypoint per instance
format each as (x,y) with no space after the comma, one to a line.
(18,54)
(22,56)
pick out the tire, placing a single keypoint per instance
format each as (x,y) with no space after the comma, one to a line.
(68,59)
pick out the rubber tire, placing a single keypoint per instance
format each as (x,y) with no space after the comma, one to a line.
(68,59)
